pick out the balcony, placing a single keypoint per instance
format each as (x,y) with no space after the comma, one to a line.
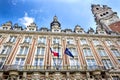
(51,68)
(95,67)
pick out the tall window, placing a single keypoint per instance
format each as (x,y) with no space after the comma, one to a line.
(6,50)
(23,50)
(73,51)
(2,59)
(12,38)
(56,40)
(19,61)
(108,42)
(96,42)
(27,39)
(57,63)
(38,62)
(83,41)
(40,51)
(42,40)
(74,63)
(91,64)
(107,63)
(70,41)
(87,52)
(115,52)
(102,52)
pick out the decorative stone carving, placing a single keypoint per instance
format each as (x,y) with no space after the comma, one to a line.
(57,76)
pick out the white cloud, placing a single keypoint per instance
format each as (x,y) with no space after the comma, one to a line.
(14,2)
(36,11)
(26,20)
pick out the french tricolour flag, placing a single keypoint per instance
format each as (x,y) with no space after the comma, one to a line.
(54,53)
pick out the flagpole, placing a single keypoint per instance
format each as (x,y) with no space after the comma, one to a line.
(58,58)
(53,60)
(37,58)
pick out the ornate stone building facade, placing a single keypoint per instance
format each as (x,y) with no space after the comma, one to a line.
(25,53)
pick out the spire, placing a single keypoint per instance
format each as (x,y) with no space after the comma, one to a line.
(55,18)
(55,22)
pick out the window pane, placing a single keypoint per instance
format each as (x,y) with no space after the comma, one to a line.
(17,61)
(40,62)
(70,41)
(107,63)
(102,52)
(73,51)
(91,64)
(21,50)
(96,42)
(42,40)
(26,50)
(6,50)
(27,39)
(22,61)
(12,39)
(36,61)
(87,52)
(2,59)
(56,40)
(83,41)
(38,51)
(115,52)
(108,42)
(42,51)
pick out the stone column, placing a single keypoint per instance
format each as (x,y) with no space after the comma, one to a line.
(46,75)
(107,76)
(87,76)
(24,75)
(1,75)
(67,75)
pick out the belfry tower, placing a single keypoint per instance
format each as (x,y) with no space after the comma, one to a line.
(105,18)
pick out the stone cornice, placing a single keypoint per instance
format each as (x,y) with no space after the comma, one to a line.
(58,34)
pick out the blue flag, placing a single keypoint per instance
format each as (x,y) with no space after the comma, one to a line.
(68,53)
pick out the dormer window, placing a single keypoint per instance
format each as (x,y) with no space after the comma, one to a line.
(5,28)
(56,30)
(101,32)
(80,32)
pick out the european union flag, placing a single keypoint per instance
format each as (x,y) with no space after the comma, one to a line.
(68,53)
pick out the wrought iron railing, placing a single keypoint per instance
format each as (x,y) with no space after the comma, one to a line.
(42,68)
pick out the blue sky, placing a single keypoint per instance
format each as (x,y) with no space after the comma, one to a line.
(69,12)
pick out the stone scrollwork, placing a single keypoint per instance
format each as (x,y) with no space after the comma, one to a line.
(57,76)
